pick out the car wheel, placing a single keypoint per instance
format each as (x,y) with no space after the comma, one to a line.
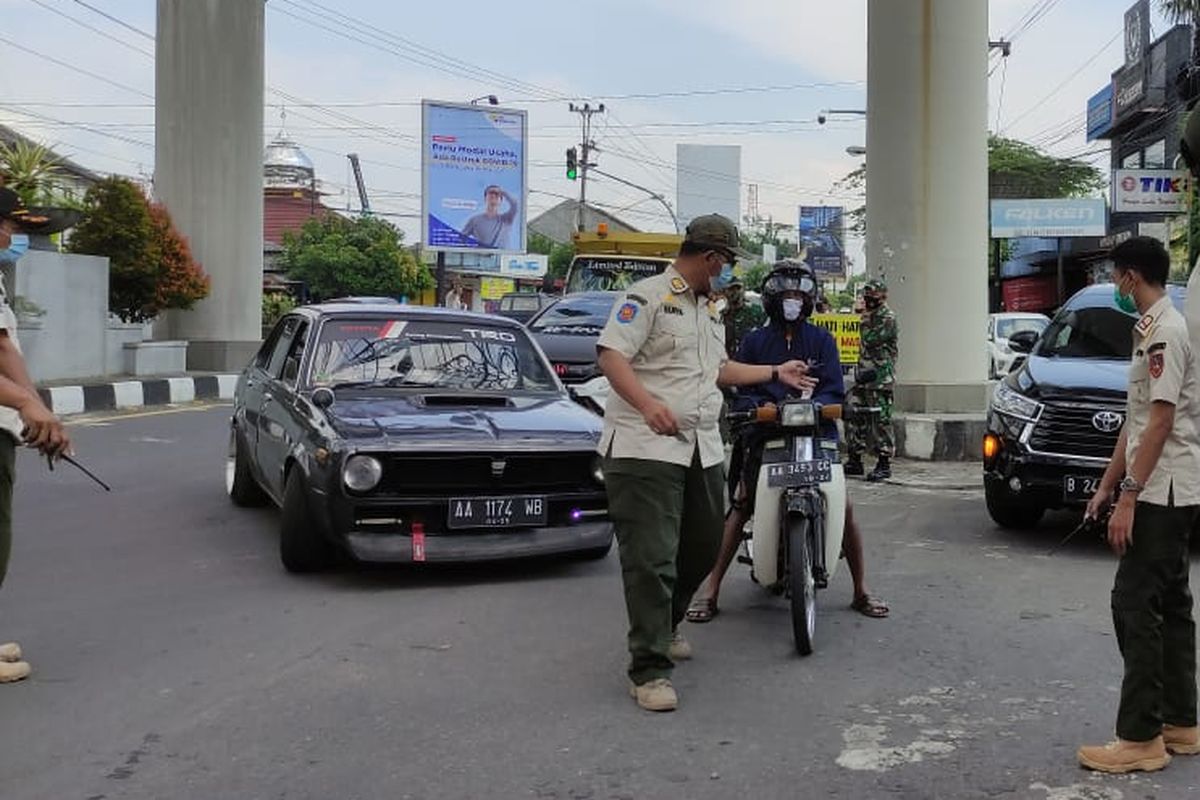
(1009,511)
(302,548)
(243,490)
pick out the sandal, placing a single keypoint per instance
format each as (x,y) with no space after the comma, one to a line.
(870,606)
(702,609)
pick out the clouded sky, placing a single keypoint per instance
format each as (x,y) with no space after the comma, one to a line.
(350,74)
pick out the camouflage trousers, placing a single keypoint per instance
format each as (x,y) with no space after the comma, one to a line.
(867,429)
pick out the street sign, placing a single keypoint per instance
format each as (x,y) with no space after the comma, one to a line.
(1100,113)
(1059,218)
(845,330)
(1151,191)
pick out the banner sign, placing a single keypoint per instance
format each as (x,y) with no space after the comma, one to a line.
(526,266)
(844,328)
(1151,191)
(1100,113)
(822,239)
(495,288)
(473,177)
(1065,218)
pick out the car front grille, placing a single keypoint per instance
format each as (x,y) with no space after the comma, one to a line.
(475,474)
(1066,428)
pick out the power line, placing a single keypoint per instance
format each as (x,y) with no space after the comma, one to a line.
(74,68)
(92,28)
(111,18)
(1067,80)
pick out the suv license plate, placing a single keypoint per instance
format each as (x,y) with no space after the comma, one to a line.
(1080,487)
(496,512)
(792,474)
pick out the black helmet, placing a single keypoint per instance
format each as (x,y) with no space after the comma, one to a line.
(1189,142)
(789,276)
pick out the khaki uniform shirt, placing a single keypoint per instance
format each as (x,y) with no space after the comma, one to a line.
(1163,369)
(676,345)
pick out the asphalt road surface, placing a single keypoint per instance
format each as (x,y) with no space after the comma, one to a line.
(174,658)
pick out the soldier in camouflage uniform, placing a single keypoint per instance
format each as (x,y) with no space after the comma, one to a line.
(739,317)
(878,351)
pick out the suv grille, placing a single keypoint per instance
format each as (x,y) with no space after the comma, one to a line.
(472,473)
(1067,429)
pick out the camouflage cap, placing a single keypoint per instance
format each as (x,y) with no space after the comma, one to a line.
(876,286)
(717,232)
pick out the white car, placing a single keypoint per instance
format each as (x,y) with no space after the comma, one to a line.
(1001,328)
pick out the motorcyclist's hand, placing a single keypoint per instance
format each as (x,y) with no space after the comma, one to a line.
(795,374)
(660,419)
(43,430)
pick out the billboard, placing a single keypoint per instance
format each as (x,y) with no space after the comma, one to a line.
(708,180)
(1063,218)
(1100,113)
(473,177)
(822,239)
(1151,191)
(845,330)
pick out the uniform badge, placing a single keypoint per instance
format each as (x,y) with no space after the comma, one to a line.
(678,285)
(1156,364)
(1144,324)
(626,313)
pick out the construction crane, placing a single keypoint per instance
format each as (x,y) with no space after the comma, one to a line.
(358,181)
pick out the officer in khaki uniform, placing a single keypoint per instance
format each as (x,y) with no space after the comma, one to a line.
(1156,470)
(663,352)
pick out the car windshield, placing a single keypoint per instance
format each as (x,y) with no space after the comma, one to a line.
(428,354)
(520,302)
(1097,332)
(611,274)
(579,316)
(1005,328)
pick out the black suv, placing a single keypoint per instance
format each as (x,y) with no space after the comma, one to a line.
(1053,423)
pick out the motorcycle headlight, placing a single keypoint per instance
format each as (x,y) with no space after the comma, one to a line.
(362,473)
(598,469)
(798,415)
(1010,402)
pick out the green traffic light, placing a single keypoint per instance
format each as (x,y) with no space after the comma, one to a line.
(572,173)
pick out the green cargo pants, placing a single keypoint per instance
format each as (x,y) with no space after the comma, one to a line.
(668,522)
(8,458)
(1152,616)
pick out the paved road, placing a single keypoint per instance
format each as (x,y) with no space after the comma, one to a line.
(175,659)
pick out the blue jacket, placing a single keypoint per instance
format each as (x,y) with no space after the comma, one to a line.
(811,343)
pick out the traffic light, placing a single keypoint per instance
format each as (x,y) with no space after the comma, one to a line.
(572,164)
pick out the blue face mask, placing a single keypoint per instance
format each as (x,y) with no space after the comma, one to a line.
(16,248)
(723,279)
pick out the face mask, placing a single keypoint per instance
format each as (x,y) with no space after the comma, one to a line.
(721,281)
(872,303)
(792,309)
(1124,302)
(16,248)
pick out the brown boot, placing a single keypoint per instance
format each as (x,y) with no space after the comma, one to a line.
(1122,756)
(1182,741)
(11,671)
(10,651)
(655,695)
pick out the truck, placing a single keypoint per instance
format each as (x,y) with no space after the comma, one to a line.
(611,262)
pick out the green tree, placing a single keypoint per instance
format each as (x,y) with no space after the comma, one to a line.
(559,254)
(339,257)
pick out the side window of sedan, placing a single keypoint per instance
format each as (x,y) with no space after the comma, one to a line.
(263,359)
(287,330)
(295,356)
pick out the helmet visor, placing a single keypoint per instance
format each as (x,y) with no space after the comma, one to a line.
(780,283)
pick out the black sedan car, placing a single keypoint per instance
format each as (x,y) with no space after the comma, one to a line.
(1053,423)
(567,332)
(399,433)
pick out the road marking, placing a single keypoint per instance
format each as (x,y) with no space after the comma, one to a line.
(110,418)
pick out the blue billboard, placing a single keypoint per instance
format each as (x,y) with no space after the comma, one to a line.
(1100,113)
(473,177)
(822,239)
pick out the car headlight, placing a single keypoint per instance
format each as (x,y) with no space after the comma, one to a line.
(598,469)
(362,473)
(798,415)
(1012,403)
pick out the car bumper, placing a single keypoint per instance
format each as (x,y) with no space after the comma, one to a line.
(513,543)
(1039,477)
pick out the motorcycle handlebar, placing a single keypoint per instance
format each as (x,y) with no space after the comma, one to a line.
(770,413)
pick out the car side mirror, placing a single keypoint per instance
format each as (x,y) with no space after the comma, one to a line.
(1023,341)
(322,397)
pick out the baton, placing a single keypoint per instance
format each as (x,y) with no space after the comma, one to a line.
(1087,523)
(81,468)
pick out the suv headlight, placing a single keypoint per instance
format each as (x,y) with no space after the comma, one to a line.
(362,473)
(798,415)
(1010,402)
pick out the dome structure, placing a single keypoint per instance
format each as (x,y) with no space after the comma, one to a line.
(285,165)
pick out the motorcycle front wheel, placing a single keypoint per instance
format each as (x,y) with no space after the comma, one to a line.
(803,587)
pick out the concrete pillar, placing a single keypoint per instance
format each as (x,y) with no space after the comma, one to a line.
(927,205)
(208,166)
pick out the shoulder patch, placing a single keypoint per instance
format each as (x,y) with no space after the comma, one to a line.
(678,285)
(626,313)
(1156,364)
(637,298)
(1144,325)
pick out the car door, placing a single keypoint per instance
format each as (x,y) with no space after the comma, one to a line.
(249,399)
(273,441)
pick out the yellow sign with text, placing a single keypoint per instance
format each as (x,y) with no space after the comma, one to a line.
(495,288)
(844,328)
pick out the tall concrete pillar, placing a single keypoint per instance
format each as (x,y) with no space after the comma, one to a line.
(208,166)
(927,205)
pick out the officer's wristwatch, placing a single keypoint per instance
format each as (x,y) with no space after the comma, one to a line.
(1128,484)
(774,374)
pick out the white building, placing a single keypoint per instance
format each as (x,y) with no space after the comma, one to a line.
(708,180)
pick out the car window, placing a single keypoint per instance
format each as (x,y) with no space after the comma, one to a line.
(290,370)
(263,359)
(611,274)
(584,316)
(1005,328)
(1098,332)
(518,302)
(428,354)
(282,343)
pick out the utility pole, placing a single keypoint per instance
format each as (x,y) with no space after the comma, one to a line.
(585,113)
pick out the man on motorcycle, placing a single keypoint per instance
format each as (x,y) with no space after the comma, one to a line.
(789,293)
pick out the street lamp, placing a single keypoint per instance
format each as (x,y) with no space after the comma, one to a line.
(491,98)
(823,117)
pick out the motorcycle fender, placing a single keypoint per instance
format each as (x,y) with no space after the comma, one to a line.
(835,518)
(764,542)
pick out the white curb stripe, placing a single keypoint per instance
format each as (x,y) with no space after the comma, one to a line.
(129,394)
(183,390)
(66,399)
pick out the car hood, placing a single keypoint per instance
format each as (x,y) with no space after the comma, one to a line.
(458,421)
(570,348)
(1077,375)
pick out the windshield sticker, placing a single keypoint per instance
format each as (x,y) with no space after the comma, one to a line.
(393,329)
(626,313)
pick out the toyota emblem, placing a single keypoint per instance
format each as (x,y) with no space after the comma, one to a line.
(1107,421)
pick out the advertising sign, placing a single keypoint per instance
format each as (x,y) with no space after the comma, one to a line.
(1100,113)
(844,328)
(495,288)
(1137,32)
(473,177)
(1064,218)
(1129,87)
(1151,191)
(822,239)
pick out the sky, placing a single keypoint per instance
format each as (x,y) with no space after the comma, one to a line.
(348,76)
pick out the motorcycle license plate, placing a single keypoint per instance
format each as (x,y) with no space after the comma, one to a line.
(792,474)
(1080,488)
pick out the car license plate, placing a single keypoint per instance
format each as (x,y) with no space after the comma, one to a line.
(792,474)
(497,512)
(1080,487)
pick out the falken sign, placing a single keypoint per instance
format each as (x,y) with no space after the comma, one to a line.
(1151,191)
(1012,219)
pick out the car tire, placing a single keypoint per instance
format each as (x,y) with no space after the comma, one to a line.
(240,484)
(302,548)
(1009,511)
